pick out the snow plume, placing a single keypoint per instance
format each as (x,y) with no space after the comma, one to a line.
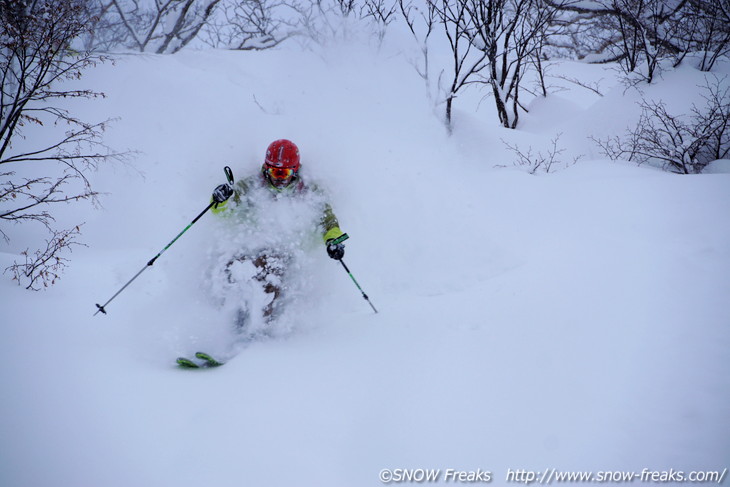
(265,252)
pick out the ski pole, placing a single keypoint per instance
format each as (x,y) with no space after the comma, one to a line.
(102,307)
(365,296)
(337,241)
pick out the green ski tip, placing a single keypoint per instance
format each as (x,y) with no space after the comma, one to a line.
(209,361)
(187,363)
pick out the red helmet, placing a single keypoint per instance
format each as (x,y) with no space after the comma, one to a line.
(282,163)
(283,153)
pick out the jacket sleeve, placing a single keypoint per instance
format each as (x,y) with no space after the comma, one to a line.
(328,222)
(330,225)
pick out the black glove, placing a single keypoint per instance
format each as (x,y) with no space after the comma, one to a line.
(335,251)
(222,193)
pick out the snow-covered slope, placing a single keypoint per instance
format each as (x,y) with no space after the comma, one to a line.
(576,320)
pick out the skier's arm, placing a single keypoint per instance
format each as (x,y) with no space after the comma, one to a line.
(330,224)
(332,233)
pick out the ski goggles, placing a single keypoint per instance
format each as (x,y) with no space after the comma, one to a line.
(279,172)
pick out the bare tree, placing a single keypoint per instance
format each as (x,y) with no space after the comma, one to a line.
(381,13)
(581,32)
(712,124)
(421,21)
(327,21)
(467,60)
(251,24)
(705,28)
(512,34)
(648,31)
(35,56)
(262,24)
(681,143)
(162,26)
(492,42)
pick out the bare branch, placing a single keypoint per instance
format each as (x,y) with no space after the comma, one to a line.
(35,57)
(683,143)
(539,161)
(44,267)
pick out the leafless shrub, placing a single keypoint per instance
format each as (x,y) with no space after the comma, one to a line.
(251,24)
(683,143)
(44,267)
(540,162)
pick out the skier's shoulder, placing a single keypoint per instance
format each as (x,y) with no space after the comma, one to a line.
(248,183)
(308,184)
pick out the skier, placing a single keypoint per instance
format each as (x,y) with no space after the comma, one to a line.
(273,212)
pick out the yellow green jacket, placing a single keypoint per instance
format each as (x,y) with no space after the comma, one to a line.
(328,222)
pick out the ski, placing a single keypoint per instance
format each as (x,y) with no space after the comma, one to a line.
(207,361)
(187,363)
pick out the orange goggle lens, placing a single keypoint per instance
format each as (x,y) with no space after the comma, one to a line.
(279,172)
